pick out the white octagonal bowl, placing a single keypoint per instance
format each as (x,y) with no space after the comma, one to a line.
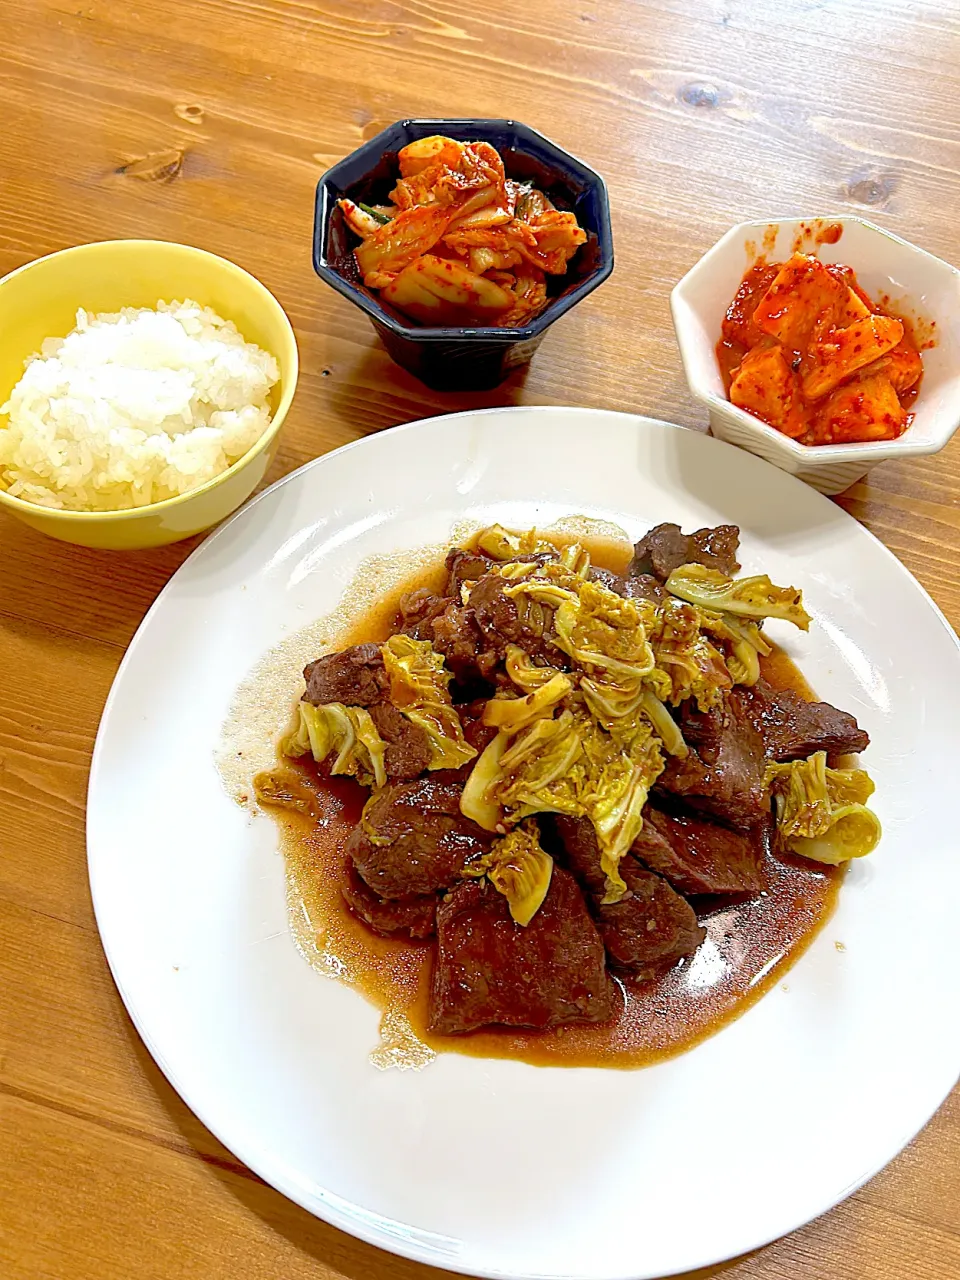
(917,284)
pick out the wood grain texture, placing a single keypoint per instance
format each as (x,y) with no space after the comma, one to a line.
(209,121)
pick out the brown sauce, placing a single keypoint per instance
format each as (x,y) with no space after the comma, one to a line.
(749,944)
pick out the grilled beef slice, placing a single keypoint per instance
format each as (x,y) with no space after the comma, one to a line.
(722,774)
(651,926)
(666,548)
(417,611)
(641,586)
(387,916)
(463,645)
(473,638)
(464,566)
(413,839)
(355,676)
(792,728)
(499,619)
(697,856)
(408,748)
(488,970)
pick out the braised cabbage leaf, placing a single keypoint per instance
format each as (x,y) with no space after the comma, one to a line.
(664,724)
(479,800)
(346,733)
(537,771)
(603,633)
(613,791)
(755,597)
(518,868)
(687,665)
(746,640)
(576,559)
(523,671)
(514,714)
(284,789)
(571,765)
(623,675)
(419,689)
(500,544)
(821,812)
(606,636)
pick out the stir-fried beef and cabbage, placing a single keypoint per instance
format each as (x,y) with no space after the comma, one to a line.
(460,243)
(563,762)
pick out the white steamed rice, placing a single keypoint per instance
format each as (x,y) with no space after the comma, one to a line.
(133,408)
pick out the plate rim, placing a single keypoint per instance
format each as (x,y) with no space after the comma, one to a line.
(345,1215)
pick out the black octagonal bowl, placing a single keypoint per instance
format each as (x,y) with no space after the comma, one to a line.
(463,359)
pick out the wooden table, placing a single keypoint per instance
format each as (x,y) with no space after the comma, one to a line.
(209,121)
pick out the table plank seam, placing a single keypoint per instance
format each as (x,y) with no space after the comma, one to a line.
(44,1102)
(8,901)
(53,629)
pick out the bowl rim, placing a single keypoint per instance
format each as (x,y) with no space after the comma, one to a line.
(811,454)
(22,506)
(439,333)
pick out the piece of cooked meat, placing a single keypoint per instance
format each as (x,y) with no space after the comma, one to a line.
(465,650)
(580,853)
(697,856)
(723,772)
(414,916)
(666,548)
(408,748)
(413,839)
(464,566)
(496,614)
(498,617)
(705,729)
(640,587)
(644,586)
(473,638)
(355,676)
(418,610)
(607,578)
(490,971)
(477,734)
(651,926)
(792,728)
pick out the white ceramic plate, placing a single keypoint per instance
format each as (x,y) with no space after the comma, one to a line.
(493,1167)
